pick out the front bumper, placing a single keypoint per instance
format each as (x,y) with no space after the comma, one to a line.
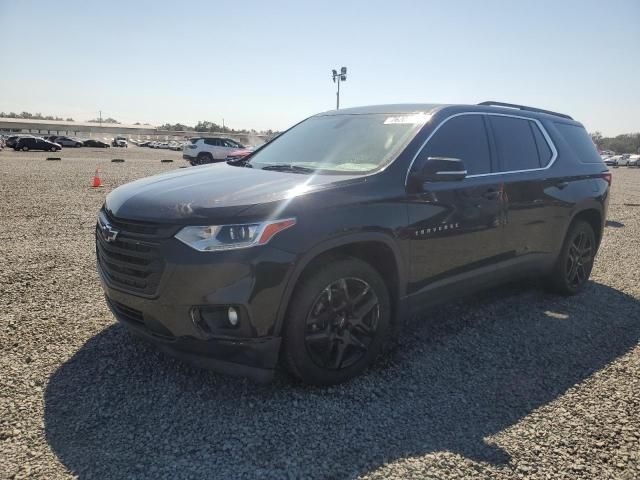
(252,358)
(253,280)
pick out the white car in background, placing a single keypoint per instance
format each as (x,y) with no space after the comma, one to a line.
(623,160)
(613,161)
(634,161)
(200,150)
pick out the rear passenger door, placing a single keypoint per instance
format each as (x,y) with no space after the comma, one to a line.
(525,153)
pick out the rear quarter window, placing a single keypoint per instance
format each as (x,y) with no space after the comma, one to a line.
(580,142)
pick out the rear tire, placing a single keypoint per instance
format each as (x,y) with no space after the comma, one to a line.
(572,268)
(25,149)
(336,322)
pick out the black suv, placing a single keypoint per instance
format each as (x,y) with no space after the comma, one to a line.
(317,247)
(35,143)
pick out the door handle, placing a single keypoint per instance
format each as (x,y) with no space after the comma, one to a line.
(562,185)
(491,194)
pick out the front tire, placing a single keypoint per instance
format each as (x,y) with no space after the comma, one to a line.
(573,267)
(204,158)
(336,322)
(25,149)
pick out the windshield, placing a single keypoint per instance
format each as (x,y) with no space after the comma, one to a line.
(342,143)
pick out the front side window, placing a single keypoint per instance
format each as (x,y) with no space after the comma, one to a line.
(515,143)
(232,144)
(345,143)
(465,138)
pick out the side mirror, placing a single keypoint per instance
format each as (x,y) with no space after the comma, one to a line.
(439,169)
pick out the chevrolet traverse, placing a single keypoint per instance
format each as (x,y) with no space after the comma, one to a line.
(313,250)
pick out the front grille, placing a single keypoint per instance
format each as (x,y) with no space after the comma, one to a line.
(132,261)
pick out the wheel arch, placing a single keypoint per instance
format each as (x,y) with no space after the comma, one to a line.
(593,215)
(365,246)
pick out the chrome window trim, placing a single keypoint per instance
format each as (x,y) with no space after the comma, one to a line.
(554,151)
(452,172)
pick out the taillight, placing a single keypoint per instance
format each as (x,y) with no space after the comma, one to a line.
(607,177)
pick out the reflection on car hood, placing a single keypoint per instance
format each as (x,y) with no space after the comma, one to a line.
(208,192)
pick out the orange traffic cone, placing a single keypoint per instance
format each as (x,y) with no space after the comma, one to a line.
(97,182)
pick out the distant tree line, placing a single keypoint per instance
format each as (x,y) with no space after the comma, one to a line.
(211,127)
(104,120)
(625,143)
(201,126)
(33,116)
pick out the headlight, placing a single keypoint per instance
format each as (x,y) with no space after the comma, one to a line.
(212,238)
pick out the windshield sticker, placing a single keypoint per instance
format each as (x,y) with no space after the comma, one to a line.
(413,119)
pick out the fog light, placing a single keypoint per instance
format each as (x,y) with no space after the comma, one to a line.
(232,315)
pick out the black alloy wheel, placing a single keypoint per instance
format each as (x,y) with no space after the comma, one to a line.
(579,259)
(572,268)
(336,322)
(342,323)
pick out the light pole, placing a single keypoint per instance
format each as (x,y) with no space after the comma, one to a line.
(341,77)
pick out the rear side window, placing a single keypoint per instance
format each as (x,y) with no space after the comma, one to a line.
(516,143)
(214,142)
(465,138)
(580,142)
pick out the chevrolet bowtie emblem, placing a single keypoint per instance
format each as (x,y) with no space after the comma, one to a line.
(108,232)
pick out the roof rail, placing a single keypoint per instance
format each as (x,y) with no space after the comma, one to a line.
(492,103)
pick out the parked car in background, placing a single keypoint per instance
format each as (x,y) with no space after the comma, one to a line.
(201,150)
(175,146)
(96,143)
(613,161)
(239,154)
(36,143)
(346,225)
(623,160)
(67,141)
(144,144)
(13,139)
(634,161)
(120,142)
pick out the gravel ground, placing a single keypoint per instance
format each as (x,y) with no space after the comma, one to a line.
(513,384)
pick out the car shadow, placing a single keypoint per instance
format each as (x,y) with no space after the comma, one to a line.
(119,409)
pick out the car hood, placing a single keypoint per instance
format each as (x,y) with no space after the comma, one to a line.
(211,192)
